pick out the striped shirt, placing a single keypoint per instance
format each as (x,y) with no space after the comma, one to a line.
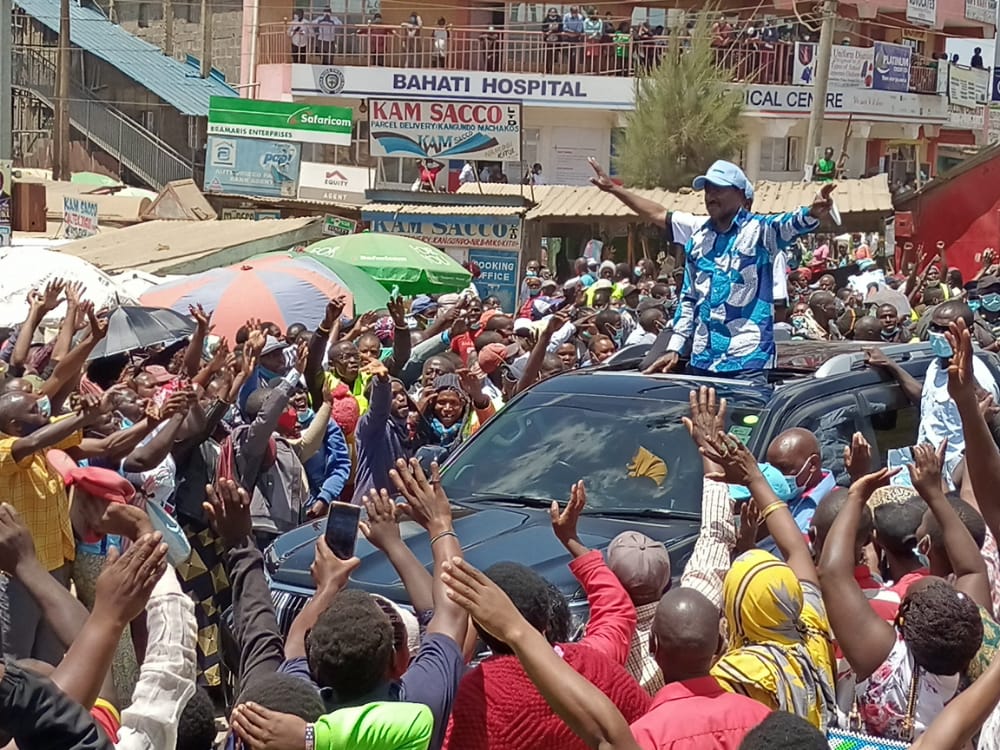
(726,309)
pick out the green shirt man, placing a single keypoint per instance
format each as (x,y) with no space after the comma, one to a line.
(826,168)
(376,726)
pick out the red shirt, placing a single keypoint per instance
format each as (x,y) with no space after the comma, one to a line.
(883,600)
(463,345)
(498,708)
(900,586)
(697,714)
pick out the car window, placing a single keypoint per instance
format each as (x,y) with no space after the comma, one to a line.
(833,421)
(893,420)
(632,452)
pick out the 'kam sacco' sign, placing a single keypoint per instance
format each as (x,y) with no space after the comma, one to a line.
(498,233)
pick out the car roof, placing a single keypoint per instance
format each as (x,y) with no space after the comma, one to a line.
(799,363)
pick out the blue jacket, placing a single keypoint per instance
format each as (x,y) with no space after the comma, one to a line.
(329,469)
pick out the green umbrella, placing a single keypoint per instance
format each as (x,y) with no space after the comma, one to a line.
(368,294)
(93,179)
(395,261)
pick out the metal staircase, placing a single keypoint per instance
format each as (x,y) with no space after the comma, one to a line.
(139,150)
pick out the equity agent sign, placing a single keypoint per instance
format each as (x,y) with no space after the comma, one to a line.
(445,130)
(279,121)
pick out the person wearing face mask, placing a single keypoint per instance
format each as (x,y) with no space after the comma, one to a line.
(939,418)
(532,288)
(989,302)
(796,454)
(892,331)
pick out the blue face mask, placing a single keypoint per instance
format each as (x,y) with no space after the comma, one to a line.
(940,346)
(638,271)
(305,417)
(530,274)
(534,292)
(974,304)
(266,374)
(991,302)
(44,406)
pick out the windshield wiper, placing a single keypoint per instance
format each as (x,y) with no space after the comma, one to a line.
(528,501)
(644,513)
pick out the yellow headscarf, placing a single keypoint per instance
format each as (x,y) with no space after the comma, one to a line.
(780,649)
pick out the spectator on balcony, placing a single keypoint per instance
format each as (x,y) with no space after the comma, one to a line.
(623,40)
(593,35)
(328,28)
(439,58)
(378,37)
(977,58)
(412,29)
(298,31)
(722,33)
(552,35)
(954,59)
(645,47)
(429,171)
(468,173)
(490,43)
(534,175)
(609,25)
(573,35)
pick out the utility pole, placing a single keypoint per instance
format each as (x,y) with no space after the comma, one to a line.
(821,83)
(61,170)
(168,28)
(206,38)
(6,94)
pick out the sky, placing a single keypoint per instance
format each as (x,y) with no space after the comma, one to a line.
(963,48)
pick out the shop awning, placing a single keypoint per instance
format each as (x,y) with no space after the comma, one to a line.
(428,209)
(191,246)
(560,203)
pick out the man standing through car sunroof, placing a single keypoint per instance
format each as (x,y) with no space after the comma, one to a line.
(725,317)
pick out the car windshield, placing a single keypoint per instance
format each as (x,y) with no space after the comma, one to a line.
(632,452)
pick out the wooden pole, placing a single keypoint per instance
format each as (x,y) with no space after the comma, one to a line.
(61,170)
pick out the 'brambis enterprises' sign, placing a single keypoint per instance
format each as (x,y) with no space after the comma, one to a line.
(279,121)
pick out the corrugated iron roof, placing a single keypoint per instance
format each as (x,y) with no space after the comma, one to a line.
(162,245)
(870,195)
(432,210)
(175,82)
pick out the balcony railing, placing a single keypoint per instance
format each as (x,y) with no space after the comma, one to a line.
(517,51)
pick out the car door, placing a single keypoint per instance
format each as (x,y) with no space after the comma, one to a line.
(833,419)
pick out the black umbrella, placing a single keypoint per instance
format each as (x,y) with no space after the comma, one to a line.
(131,328)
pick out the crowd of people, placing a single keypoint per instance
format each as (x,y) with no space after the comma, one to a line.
(153,482)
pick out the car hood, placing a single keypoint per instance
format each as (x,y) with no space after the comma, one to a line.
(488,534)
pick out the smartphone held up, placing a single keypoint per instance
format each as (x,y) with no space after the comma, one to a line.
(342,529)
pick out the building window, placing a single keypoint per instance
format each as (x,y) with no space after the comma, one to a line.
(516,171)
(780,154)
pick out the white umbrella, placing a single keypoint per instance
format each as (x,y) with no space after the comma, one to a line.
(23,269)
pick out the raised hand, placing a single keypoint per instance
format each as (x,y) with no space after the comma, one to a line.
(301,356)
(471,384)
(98,326)
(376,368)
(125,583)
(382,527)
(367,321)
(564,521)
(49,299)
(708,416)
(746,537)
(74,293)
(485,602)
(329,572)
(822,203)
(261,728)
(91,409)
(202,318)
(925,471)
(961,378)
(737,464)
(121,519)
(600,178)
(255,343)
(862,489)
(228,512)
(875,358)
(858,457)
(666,363)
(221,356)
(397,312)
(16,544)
(334,311)
(426,502)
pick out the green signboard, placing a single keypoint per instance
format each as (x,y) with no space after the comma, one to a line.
(280,121)
(337,226)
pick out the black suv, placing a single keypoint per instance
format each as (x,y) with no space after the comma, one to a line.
(621,432)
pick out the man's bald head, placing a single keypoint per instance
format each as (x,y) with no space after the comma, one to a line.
(796,453)
(19,414)
(685,636)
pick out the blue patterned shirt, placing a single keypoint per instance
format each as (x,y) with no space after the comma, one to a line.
(726,309)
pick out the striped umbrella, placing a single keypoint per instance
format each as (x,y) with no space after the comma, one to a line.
(275,288)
